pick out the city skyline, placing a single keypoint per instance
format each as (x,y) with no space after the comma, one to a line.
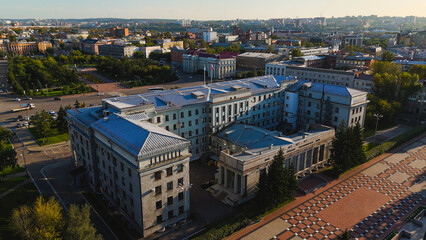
(219,10)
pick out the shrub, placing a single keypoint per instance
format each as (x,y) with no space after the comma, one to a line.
(223,230)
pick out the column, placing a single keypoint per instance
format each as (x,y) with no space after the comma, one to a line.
(220,175)
(236,186)
(225,184)
(243,185)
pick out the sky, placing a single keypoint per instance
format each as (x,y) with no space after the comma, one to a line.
(206,9)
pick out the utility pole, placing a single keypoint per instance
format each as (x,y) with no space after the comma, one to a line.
(378,116)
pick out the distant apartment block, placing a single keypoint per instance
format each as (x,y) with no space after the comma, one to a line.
(171,44)
(218,66)
(286,51)
(210,37)
(25,48)
(91,46)
(316,75)
(149,49)
(117,51)
(352,40)
(118,32)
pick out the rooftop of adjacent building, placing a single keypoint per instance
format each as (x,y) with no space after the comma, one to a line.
(134,134)
(258,55)
(195,95)
(256,140)
(326,88)
(410,62)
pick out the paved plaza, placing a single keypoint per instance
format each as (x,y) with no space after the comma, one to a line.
(368,201)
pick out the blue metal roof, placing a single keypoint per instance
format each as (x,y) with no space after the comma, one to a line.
(184,96)
(137,137)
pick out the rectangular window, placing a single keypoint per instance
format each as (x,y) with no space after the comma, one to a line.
(122,166)
(130,187)
(180,196)
(158,190)
(170,200)
(158,119)
(182,115)
(158,204)
(196,111)
(180,182)
(159,219)
(190,113)
(169,171)
(170,185)
(167,118)
(129,172)
(180,168)
(157,175)
(174,116)
(181,210)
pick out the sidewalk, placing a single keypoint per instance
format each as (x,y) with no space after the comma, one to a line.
(387,134)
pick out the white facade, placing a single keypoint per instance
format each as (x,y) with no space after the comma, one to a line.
(210,37)
(317,75)
(223,67)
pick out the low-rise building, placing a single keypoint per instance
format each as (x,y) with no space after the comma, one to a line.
(169,45)
(217,66)
(25,48)
(91,46)
(245,152)
(149,49)
(117,51)
(250,60)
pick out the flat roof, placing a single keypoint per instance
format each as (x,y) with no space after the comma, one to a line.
(194,95)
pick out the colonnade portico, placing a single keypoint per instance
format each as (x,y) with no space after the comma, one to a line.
(232,180)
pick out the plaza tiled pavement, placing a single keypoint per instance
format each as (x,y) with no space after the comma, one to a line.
(367,202)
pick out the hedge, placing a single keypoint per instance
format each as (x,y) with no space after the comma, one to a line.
(224,229)
(388,145)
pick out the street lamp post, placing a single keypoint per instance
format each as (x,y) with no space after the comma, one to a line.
(186,193)
(378,116)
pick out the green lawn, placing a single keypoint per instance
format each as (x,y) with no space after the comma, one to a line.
(11,170)
(23,195)
(50,140)
(91,78)
(9,183)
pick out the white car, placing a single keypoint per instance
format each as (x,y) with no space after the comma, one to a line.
(25,124)
(28,98)
(51,112)
(17,99)
(100,94)
(26,118)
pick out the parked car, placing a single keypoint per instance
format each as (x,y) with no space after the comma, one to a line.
(20,117)
(18,124)
(26,124)
(17,99)
(26,118)
(28,98)
(51,112)
(57,98)
(100,94)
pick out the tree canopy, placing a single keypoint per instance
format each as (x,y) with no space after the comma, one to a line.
(277,185)
(346,150)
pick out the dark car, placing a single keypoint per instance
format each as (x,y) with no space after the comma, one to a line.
(57,98)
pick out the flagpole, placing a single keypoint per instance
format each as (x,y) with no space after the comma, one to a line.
(211,74)
(204,81)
